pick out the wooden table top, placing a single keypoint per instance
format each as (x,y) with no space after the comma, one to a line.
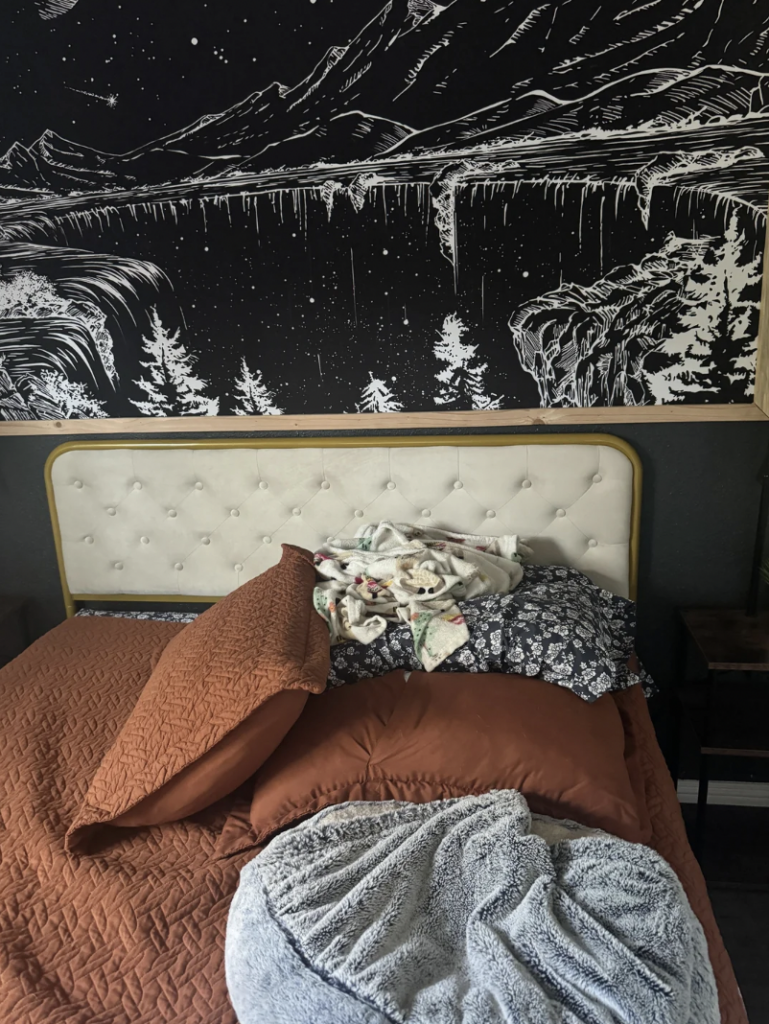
(728,639)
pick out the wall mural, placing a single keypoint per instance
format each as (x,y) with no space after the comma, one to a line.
(312,206)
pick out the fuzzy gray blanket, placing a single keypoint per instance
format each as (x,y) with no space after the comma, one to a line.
(468,910)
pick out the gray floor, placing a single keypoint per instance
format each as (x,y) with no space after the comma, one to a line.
(735,861)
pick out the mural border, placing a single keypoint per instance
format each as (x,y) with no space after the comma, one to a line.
(758,410)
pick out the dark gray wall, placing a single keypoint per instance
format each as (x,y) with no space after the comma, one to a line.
(699,518)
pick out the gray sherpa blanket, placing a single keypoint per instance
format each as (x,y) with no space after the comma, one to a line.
(464,910)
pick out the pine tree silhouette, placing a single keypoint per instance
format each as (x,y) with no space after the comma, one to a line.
(377,397)
(172,387)
(462,379)
(253,395)
(719,320)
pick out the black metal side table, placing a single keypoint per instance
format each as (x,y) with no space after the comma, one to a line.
(730,718)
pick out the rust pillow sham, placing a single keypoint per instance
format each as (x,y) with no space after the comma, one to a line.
(222,696)
(435,735)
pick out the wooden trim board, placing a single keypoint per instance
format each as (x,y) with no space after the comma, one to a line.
(471,419)
(762,353)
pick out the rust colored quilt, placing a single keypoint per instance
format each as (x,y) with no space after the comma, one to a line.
(135,932)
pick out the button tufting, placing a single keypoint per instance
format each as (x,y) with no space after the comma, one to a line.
(111,512)
(526,484)
(560,513)
(205,540)
(359,513)
(145,540)
(118,565)
(592,543)
(296,512)
(238,567)
(597,478)
(263,485)
(88,540)
(266,540)
(234,513)
(178,567)
(391,485)
(172,513)
(426,513)
(78,484)
(458,485)
(491,514)
(325,485)
(198,486)
(137,485)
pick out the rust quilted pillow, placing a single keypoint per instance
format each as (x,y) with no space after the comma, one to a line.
(222,696)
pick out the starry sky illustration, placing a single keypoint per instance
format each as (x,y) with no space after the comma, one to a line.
(115,74)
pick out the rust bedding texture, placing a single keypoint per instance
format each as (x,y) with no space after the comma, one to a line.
(134,931)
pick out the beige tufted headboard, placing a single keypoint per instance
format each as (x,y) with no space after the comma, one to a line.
(192,520)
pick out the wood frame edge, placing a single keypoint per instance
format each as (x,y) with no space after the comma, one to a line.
(471,419)
(762,346)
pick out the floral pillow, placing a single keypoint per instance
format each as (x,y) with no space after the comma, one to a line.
(556,625)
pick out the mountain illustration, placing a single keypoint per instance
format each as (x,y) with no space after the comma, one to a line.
(533,69)
(664,97)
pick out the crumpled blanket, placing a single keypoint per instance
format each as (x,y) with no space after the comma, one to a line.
(556,625)
(465,910)
(394,572)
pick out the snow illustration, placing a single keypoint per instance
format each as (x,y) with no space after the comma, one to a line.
(411,207)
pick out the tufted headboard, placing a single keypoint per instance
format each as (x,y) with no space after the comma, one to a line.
(192,520)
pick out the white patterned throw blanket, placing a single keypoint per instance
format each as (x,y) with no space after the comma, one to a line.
(463,911)
(394,572)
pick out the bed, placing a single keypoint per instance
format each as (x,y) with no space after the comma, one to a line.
(134,930)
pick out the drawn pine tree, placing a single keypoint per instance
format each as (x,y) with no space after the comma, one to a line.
(735,356)
(718,322)
(253,395)
(172,387)
(377,397)
(462,380)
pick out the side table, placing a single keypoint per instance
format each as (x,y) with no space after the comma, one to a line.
(729,718)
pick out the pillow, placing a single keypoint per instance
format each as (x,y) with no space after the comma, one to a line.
(222,696)
(437,735)
(557,625)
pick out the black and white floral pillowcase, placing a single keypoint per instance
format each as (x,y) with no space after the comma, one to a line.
(556,625)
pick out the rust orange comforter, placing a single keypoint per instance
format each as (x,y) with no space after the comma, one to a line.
(134,931)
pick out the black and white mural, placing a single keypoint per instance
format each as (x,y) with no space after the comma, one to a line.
(308,206)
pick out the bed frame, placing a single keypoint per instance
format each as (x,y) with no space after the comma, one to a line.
(178,521)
